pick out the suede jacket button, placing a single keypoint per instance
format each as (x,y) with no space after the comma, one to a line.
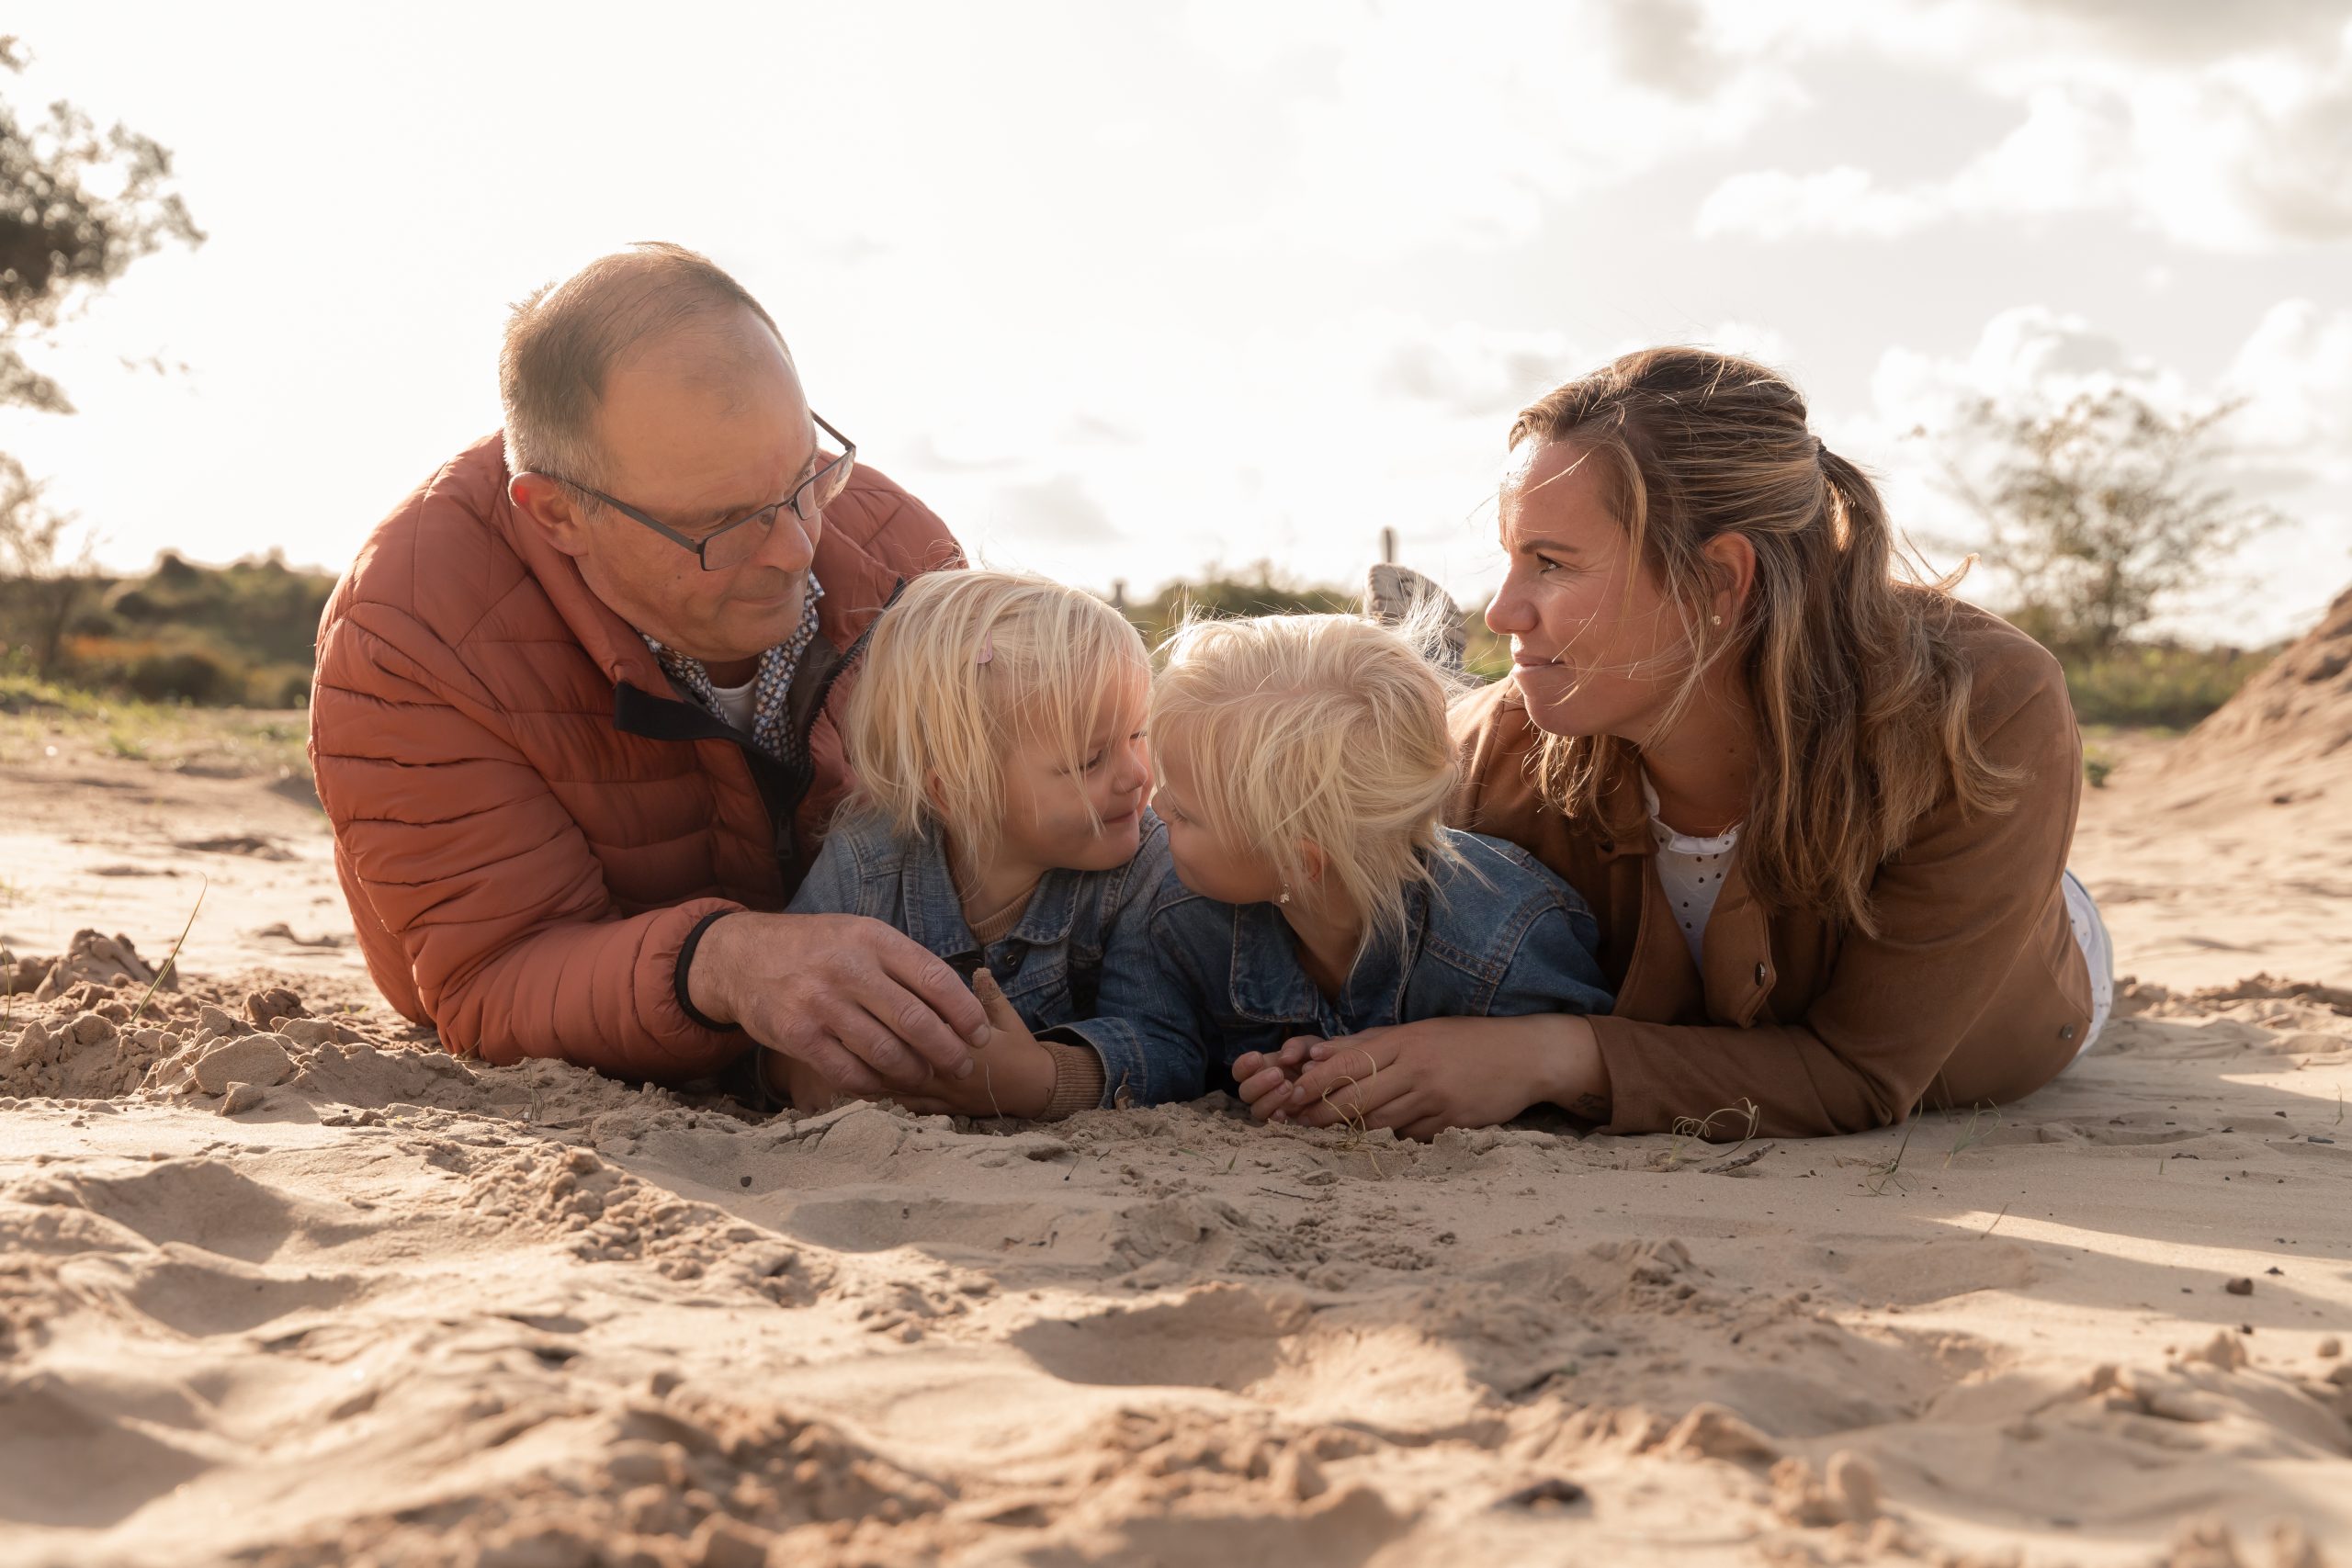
(2067,1033)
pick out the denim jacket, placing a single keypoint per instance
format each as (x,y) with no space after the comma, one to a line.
(1197,983)
(1050,965)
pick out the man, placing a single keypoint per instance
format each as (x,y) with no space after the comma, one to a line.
(572,724)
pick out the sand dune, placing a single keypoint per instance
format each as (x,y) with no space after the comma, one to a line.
(281,1283)
(369,1304)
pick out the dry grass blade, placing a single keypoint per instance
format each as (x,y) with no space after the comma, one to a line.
(1889,1173)
(1969,1136)
(1736,1161)
(165,967)
(1688,1130)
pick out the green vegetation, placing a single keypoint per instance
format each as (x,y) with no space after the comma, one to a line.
(2129,684)
(228,636)
(1264,590)
(2158,686)
(37,716)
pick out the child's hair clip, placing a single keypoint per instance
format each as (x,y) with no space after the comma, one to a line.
(988,649)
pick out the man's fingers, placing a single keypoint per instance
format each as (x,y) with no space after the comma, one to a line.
(1294,1049)
(954,1011)
(926,1042)
(1249,1063)
(873,1041)
(842,1070)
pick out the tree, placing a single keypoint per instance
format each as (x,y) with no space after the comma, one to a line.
(40,587)
(2101,511)
(77,207)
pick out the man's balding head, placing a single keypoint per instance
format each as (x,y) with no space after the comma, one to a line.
(565,341)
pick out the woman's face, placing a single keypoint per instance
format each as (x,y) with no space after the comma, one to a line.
(1597,646)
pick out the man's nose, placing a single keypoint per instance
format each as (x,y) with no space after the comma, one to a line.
(791,545)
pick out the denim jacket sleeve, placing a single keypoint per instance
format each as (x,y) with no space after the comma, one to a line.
(1557,967)
(1147,1027)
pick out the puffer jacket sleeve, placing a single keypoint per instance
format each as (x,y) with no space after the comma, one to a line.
(463,853)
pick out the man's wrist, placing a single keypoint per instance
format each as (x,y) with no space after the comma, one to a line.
(703,970)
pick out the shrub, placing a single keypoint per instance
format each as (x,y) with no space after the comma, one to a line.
(2160,685)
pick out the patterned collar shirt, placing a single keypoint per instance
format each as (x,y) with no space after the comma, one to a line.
(770,730)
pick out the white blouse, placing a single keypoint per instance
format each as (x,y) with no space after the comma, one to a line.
(1690,870)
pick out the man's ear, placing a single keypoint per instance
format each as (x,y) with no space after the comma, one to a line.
(553,508)
(1733,557)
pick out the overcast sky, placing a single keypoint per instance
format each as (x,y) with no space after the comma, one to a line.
(1122,290)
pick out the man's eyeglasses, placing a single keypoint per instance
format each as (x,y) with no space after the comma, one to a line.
(733,544)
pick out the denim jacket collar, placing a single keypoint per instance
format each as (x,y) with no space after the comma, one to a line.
(1270,985)
(935,914)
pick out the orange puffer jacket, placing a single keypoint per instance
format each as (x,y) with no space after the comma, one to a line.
(528,822)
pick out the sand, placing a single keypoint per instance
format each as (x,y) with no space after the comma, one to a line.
(280,1284)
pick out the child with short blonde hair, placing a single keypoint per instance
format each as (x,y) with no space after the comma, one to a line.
(1304,768)
(999,813)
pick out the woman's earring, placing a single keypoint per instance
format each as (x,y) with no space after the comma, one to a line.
(1718,620)
(1286,897)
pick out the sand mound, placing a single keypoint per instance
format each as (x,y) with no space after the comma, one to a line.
(2287,733)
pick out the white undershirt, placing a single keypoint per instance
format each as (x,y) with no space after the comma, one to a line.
(1691,872)
(735,703)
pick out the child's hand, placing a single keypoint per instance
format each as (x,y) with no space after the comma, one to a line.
(1015,1076)
(1264,1079)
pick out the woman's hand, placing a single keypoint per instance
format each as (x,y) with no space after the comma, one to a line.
(1421,1078)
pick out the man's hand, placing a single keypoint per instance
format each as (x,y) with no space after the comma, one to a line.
(1421,1078)
(1016,1074)
(867,1006)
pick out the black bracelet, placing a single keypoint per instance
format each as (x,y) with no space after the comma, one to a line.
(686,962)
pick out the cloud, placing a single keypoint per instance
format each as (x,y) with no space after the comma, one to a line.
(2236,149)
(1534,107)
(2294,374)
(1059,510)
(1476,372)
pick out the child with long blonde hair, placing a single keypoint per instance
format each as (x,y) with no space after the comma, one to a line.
(999,815)
(1303,766)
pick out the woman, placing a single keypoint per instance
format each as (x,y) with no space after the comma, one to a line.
(1822,814)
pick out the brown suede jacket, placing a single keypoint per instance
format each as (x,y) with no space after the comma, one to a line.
(1973,992)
